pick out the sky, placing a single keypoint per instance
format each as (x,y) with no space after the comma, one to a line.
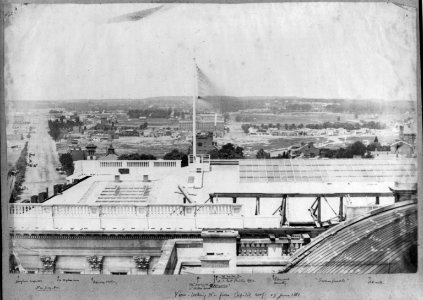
(112,51)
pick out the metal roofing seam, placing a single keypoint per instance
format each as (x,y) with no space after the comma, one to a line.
(345,235)
(318,258)
(346,224)
(371,259)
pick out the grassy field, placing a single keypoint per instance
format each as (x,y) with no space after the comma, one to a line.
(296,118)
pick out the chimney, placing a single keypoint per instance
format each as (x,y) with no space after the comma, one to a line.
(57,189)
(41,197)
(34,199)
(145,178)
(117,178)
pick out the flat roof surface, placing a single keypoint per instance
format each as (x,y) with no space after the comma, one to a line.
(333,170)
(162,187)
(130,190)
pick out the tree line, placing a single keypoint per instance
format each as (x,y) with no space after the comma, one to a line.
(325,125)
(20,168)
(56,126)
(355,149)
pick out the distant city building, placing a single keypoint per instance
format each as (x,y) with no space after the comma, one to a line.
(206,123)
(205,143)
(91,155)
(78,154)
(129,132)
(110,155)
(407,135)
(160,122)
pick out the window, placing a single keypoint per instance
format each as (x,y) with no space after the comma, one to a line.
(72,272)
(199,144)
(119,273)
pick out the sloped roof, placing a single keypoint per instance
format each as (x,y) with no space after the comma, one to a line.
(400,142)
(109,157)
(381,241)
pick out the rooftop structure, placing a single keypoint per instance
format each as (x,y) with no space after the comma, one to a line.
(381,241)
(204,218)
(203,195)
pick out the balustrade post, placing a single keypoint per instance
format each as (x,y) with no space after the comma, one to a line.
(53,216)
(319,210)
(257,206)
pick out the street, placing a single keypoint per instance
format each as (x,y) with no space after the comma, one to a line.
(44,175)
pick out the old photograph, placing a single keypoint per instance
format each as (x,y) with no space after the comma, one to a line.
(188,138)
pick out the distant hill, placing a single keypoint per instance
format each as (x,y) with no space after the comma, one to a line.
(223,104)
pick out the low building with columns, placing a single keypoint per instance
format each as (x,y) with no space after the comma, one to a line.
(155,217)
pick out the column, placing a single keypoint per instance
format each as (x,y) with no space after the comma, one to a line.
(48,264)
(95,264)
(142,264)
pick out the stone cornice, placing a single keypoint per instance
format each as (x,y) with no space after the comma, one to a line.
(106,236)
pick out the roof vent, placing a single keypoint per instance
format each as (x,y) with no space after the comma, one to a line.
(145,178)
(117,178)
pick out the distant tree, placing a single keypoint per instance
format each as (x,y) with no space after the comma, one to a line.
(226,117)
(292,126)
(261,154)
(67,163)
(368,155)
(300,126)
(358,148)
(175,154)
(238,118)
(342,153)
(376,140)
(372,147)
(228,151)
(136,156)
(245,127)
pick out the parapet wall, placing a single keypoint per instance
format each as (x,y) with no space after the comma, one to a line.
(180,217)
(93,167)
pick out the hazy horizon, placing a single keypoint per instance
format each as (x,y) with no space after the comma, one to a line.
(259,98)
(348,51)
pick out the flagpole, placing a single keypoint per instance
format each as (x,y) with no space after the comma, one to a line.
(194,123)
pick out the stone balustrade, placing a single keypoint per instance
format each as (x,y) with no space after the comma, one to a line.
(99,167)
(35,216)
